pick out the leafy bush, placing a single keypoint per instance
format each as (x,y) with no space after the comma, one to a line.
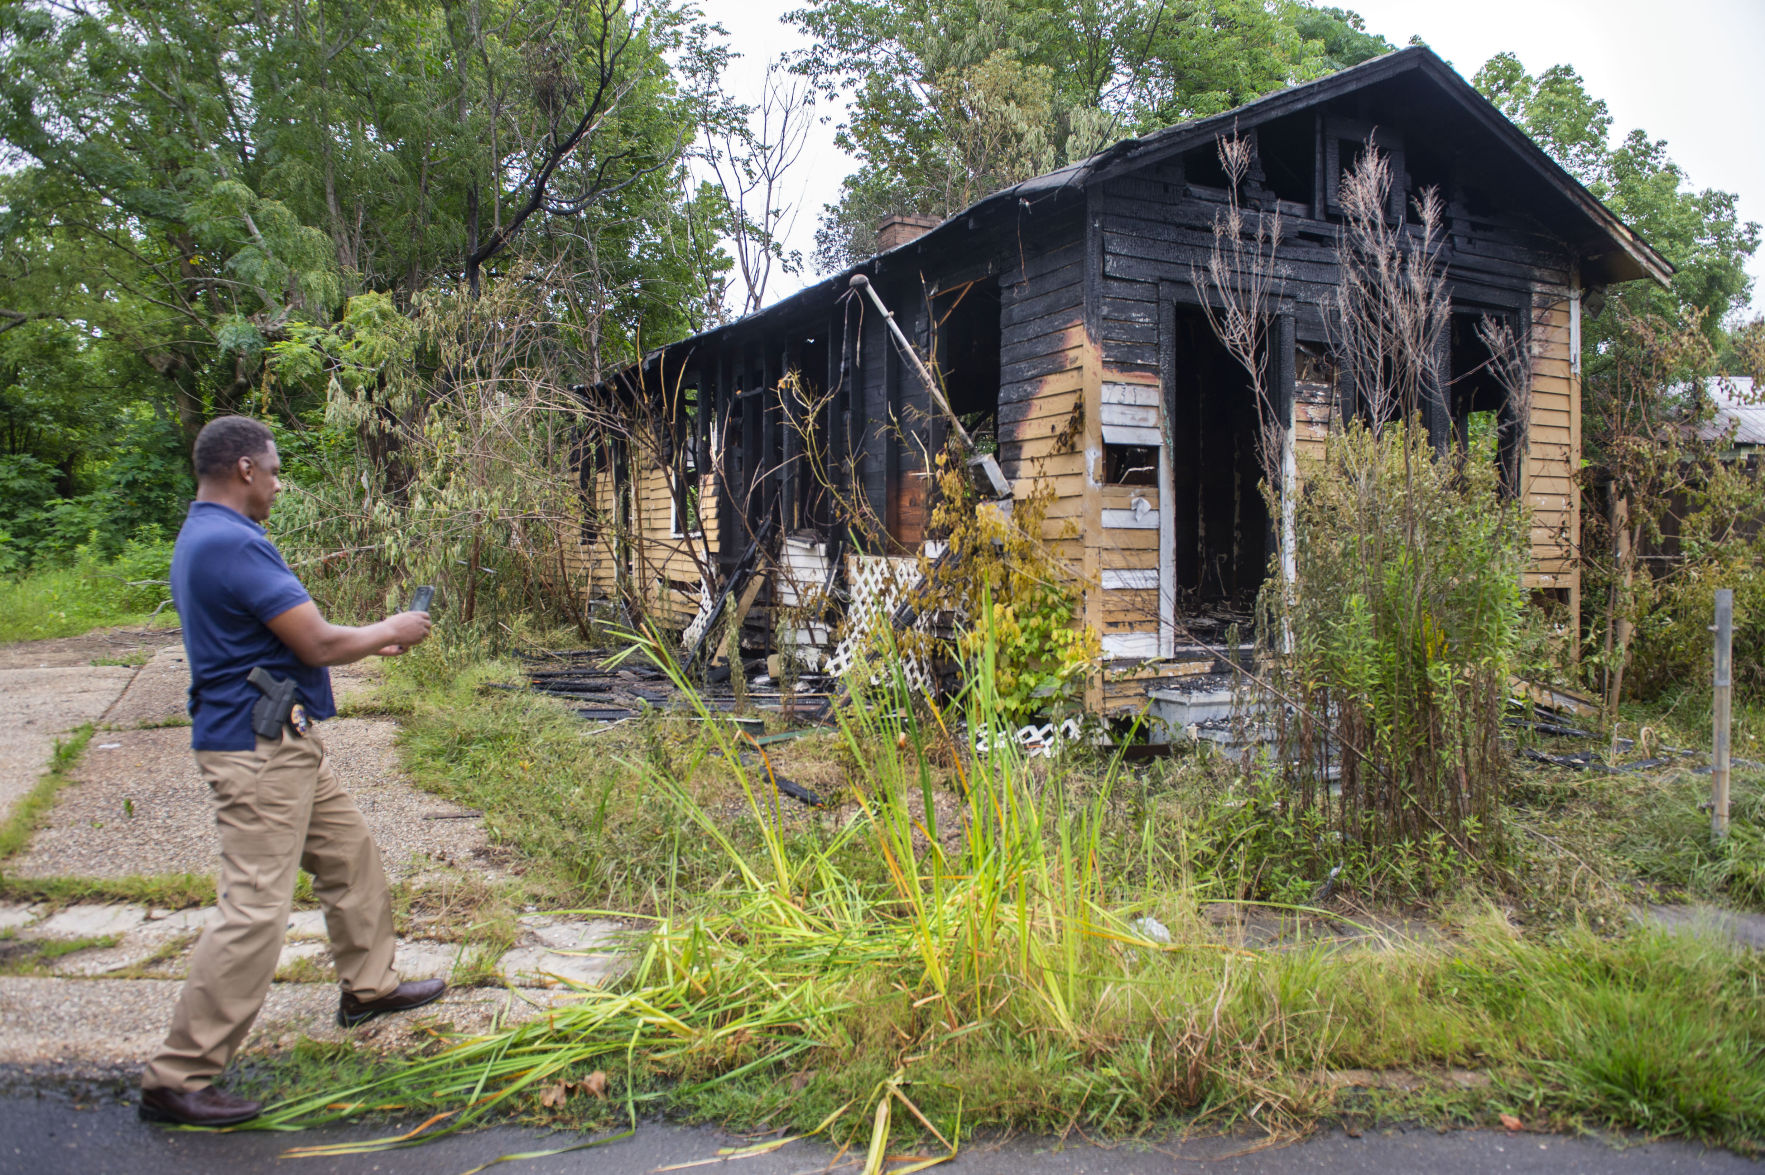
(440,459)
(1404,620)
(1002,580)
(137,494)
(1672,649)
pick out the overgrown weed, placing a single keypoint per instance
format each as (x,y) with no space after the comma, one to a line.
(1005,979)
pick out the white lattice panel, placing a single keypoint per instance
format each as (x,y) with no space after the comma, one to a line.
(707,599)
(1036,741)
(877,585)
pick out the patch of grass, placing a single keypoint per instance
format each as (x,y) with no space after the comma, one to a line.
(70,600)
(28,814)
(36,956)
(172,891)
(463,910)
(306,969)
(50,949)
(133,659)
(987,967)
(149,968)
(1638,835)
(572,803)
(164,723)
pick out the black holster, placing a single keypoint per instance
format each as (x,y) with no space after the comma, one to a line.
(274,710)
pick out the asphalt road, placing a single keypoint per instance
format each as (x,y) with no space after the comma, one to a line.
(53,1133)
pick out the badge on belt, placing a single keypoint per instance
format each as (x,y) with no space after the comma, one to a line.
(277,708)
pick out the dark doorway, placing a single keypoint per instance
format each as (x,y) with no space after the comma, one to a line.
(1221,522)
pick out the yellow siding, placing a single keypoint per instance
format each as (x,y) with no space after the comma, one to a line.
(657,555)
(1553,448)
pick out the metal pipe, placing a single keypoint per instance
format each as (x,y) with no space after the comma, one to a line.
(860,282)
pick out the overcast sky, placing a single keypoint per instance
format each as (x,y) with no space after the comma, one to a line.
(1687,71)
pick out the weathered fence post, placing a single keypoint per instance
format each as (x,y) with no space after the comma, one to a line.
(1721,696)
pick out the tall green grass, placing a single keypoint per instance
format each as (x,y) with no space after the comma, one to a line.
(87,593)
(998,973)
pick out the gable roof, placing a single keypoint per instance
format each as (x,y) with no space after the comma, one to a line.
(1613,252)
(1626,257)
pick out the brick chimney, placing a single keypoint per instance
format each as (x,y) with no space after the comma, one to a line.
(899,229)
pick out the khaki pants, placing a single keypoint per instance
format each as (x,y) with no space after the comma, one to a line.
(279,809)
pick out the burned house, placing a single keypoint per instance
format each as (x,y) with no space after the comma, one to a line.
(1065,323)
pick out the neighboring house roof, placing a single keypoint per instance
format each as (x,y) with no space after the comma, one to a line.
(1740,407)
(1613,252)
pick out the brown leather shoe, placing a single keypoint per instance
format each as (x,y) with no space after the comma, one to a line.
(208,1106)
(352,1011)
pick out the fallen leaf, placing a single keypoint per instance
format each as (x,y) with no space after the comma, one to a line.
(799,1080)
(555,1095)
(595,1083)
(1512,1123)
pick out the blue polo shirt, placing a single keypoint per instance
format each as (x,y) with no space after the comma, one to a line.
(228,579)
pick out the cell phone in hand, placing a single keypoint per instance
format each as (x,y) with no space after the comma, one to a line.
(424,596)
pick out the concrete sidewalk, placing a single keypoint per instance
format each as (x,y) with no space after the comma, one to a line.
(88,989)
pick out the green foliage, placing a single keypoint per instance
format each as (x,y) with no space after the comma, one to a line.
(1405,622)
(1700,232)
(1721,545)
(1020,608)
(991,971)
(87,592)
(217,208)
(440,457)
(1250,843)
(1663,836)
(32,809)
(952,101)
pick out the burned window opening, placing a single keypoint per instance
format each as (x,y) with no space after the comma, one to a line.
(1287,151)
(1221,523)
(966,335)
(1202,168)
(1346,142)
(1485,425)
(1130,465)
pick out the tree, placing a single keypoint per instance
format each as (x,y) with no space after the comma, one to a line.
(951,100)
(1700,232)
(198,197)
(749,152)
(1645,356)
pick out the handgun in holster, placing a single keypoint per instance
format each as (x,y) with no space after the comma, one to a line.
(279,707)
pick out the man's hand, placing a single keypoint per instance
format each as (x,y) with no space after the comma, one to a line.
(408,628)
(399,648)
(316,641)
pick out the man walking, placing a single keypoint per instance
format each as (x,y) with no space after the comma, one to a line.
(277,802)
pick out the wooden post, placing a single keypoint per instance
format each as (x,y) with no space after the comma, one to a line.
(1721,696)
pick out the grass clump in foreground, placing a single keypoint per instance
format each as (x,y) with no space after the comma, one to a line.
(997,975)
